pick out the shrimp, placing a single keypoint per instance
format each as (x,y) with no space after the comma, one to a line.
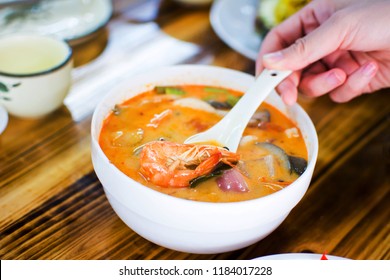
(169,164)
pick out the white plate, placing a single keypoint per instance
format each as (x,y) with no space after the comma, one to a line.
(3,119)
(234,23)
(71,20)
(299,256)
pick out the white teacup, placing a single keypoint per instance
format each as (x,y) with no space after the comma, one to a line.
(35,74)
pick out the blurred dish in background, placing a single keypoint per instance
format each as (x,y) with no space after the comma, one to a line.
(272,12)
(73,20)
(234,22)
(242,24)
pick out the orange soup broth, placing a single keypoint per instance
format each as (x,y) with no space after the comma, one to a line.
(121,136)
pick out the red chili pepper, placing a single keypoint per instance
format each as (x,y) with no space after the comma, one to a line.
(323,257)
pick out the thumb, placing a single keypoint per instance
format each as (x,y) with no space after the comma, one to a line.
(314,46)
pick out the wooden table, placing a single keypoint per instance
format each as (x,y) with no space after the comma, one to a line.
(52,206)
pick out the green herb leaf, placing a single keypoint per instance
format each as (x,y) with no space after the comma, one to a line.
(210,97)
(175,91)
(232,100)
(160,90)
(169,90)
(215,90)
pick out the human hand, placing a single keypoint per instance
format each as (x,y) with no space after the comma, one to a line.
(336,47)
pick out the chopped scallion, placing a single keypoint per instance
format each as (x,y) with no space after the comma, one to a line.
(232,100)
(215,90)
(169,90)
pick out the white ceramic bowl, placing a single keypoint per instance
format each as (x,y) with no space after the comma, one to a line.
(191,226)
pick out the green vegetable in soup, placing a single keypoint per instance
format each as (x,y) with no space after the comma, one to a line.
(169,90)
(215,90)
(232,100)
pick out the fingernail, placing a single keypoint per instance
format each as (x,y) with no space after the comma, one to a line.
(273,57)
(369,69)
(334,79)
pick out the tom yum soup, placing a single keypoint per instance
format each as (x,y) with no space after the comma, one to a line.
(143,138)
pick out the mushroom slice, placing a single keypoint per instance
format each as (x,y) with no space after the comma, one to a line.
(247,139)
(219,105)
(298,164)
(261,116)
(291,163)
(276,151)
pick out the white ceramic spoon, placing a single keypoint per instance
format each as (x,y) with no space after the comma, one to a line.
(228,131)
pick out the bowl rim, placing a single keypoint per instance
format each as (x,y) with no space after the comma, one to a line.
(66,60)
(170,198)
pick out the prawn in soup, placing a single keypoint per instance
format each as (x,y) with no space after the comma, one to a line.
(143,138)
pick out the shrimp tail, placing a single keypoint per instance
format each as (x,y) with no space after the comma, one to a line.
(208,165)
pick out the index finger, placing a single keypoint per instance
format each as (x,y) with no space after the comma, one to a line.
(295,27)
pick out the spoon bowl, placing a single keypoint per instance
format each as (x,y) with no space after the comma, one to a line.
(228,131)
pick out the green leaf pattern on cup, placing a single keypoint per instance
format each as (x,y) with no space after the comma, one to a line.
(5,89)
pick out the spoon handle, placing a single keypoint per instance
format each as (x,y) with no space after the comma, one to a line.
(242,112)
(228,131)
